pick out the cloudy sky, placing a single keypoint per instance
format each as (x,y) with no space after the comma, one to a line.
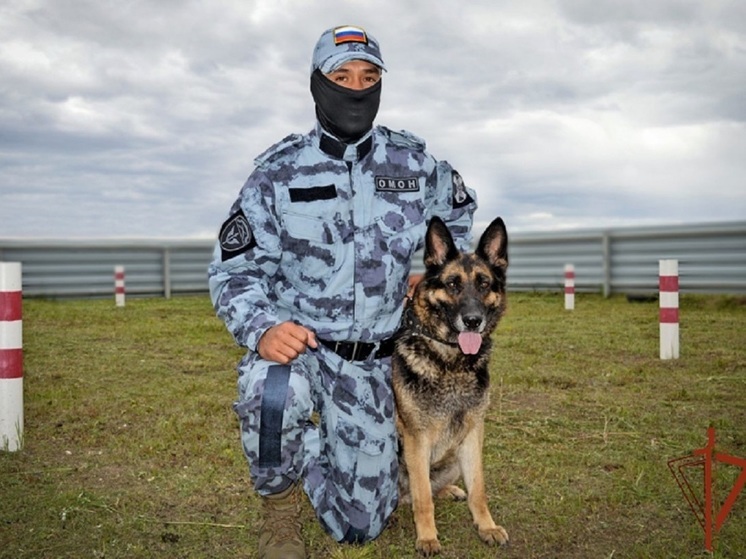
(141,118)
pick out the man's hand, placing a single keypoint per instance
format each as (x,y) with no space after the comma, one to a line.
(285,342)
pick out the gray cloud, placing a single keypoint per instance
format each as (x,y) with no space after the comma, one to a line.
(142,118)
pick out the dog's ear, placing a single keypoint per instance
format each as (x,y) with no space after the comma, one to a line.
(493,245)
(439,245)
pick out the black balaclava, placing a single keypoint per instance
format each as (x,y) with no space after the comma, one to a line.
(347,114)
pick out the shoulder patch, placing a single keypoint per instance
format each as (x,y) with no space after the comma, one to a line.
(288,142)
(404,138)
(461,196)
(236,236)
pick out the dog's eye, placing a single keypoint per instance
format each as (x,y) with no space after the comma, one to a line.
(483,283)
(453,284)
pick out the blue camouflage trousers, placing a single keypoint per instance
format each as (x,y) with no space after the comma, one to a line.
(328,423)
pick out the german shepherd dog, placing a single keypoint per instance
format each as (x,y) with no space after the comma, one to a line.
(441,378)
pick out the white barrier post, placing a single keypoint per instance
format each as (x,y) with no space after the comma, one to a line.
(569,287)
(119,285)
(11,357)
(669,308)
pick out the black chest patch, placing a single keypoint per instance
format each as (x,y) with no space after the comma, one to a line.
(236,236)
(313,193)
(397,184)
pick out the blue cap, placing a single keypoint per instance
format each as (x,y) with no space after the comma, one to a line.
(342,44)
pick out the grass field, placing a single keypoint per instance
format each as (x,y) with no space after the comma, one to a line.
(131,447)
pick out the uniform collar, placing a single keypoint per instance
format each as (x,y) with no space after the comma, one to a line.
(339,150)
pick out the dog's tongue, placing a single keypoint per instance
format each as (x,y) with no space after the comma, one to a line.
(469,342)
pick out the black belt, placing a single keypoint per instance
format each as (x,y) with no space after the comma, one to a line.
(360,351)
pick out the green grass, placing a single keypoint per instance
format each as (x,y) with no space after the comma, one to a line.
(131,447)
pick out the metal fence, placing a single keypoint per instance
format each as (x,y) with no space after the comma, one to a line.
(86,269)
(712,259)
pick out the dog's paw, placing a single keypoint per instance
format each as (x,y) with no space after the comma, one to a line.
(452,492)
(428,548)
(492,536)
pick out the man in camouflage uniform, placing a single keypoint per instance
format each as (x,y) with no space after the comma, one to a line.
(310,274)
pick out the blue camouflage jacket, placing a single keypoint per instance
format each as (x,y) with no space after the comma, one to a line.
(324,233)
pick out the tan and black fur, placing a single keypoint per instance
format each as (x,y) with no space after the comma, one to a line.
(441,378)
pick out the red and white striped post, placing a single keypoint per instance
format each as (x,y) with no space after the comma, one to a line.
(11,357)
(569,287)
(668,282)
(119,285)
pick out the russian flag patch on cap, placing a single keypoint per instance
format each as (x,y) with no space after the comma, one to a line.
(349,34)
